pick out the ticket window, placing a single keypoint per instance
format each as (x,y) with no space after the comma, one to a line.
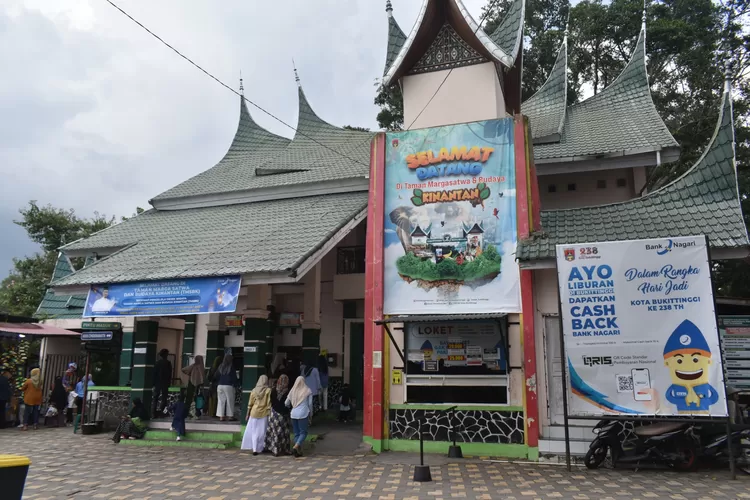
(457,362)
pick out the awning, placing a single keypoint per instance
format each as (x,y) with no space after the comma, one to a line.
(35,329)
(423,318)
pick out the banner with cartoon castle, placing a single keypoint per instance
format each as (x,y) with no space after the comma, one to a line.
(450,220)
(640,329)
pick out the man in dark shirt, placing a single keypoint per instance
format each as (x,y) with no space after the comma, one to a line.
(6,392)
(162,379)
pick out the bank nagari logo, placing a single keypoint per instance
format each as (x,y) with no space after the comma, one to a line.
(597,360)
(661,249)
(570,254)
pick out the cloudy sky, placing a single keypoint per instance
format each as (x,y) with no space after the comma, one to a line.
(97,115)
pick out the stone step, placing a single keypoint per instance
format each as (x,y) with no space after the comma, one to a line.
(180,444)
(217,437)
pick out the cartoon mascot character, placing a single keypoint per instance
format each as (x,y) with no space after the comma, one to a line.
(687,356)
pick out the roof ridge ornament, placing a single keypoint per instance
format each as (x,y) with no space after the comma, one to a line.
(242,88)
(389,8)
(296,75)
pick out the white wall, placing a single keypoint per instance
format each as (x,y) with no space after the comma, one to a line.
(331,327)
(586,192)
(471,93)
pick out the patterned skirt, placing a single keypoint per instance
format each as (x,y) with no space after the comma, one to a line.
(278,437)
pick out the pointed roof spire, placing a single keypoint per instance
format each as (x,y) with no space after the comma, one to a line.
(704,200)
(242,88)
(509,33)
(396,38)
(453,12)
(296,75)
(546,108)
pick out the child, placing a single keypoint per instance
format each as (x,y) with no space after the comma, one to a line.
(71,406)
(180,412)
(345,404)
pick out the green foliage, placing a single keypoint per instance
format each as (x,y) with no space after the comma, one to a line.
(22,291)
(358,129)
(391,103)
(488,263)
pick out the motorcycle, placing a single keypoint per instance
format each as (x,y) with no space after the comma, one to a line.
(714,450)
(663,443)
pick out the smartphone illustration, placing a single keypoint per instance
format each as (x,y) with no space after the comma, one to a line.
(641,382)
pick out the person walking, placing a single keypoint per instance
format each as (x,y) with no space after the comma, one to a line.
(70,378)
(277,436)
(213,397)
(32,398)
(312,380)
(300,399)
(258,409)
(6,393)
(180,412)
(323,373)
(197,374)
(59,400)
(162,379)
(226,380)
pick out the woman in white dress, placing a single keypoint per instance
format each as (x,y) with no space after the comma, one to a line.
(258,409)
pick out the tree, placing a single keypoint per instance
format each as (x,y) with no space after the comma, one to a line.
(357,129)
(391,102)
(23,289)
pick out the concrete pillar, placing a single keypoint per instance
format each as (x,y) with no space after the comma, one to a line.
(257,331)
(188,340)
(144,357)
(311,321)
(126,355)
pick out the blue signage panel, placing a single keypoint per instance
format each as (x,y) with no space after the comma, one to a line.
(164,298)
(95,336)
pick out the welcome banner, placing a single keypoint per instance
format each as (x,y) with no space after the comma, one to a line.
(164,298)
(639,327)
(450,220)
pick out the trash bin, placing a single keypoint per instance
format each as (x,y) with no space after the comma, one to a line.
(13,470)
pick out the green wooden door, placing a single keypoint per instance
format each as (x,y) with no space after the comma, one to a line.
(357,361)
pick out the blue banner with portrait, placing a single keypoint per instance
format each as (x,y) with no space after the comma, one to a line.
(164,298)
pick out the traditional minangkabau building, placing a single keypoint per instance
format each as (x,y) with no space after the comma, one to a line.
(300,221)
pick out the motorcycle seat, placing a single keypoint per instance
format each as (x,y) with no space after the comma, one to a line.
(657,429)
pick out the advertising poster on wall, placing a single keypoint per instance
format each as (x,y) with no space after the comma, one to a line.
(735,341)
(450,220)
(164,298)
(456,347)
(639,328)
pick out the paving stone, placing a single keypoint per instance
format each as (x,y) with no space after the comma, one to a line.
(124,472)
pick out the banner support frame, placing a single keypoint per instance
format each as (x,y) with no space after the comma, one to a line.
(564,374)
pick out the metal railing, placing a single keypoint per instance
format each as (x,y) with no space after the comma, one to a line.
(350,260)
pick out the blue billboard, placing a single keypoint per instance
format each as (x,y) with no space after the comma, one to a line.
(164,297)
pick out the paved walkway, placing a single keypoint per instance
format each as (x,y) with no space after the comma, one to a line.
(67,466)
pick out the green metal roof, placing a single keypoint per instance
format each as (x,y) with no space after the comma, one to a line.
(704,200)
(267,236)
(621,119)
(396,39)
(61,306)
(509,33)
(259,159)
(546,108)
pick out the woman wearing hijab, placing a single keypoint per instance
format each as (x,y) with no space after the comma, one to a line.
(59,400)
(277,437)
(300,399)
(32,398)
(69,380)
(132,425)
(197,374)
(226,380)
(258,409)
